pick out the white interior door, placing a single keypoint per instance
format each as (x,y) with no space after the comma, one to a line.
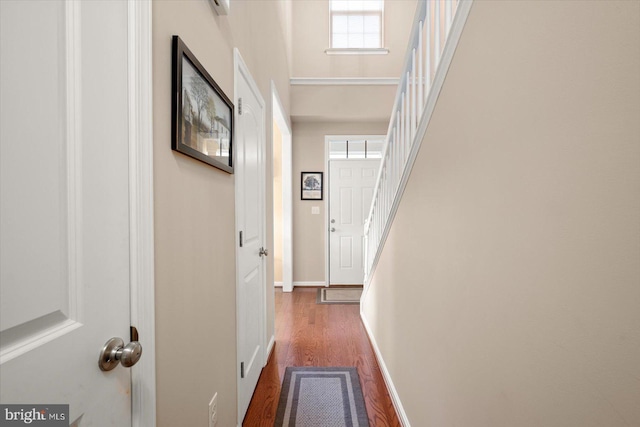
(351,184)
(250,221)
(64,206)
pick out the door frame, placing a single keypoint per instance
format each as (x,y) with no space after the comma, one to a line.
(141,209)
(327,247)
(280,117)
(240,70)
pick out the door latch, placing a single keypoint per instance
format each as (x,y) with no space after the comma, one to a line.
(133,333)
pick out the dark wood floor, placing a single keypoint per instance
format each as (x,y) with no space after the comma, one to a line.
(310,334)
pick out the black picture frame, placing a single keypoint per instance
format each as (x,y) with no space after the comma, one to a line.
(311,185)
(202,114)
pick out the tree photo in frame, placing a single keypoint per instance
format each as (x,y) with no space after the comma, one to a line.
(311,185)
(202,115)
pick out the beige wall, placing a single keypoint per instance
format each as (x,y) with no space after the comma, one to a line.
(311,38)
(194,211)
(309,231)
(277,203)
(342,103)
(508,293)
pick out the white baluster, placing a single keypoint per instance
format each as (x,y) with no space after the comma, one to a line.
(414,109)
(429,50)
(407,147)
(420,68)
(403,133)
(437,48)
(447,16)
(391,171)
(396,154)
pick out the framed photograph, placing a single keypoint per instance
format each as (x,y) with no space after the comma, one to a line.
(202,115)
(311,185)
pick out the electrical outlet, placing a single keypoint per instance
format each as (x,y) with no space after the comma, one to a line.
(213,411)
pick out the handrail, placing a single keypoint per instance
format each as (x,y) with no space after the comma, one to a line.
(434,37)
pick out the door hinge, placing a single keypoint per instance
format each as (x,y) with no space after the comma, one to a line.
(241,369)
(133,334)
(241,239)
(239,106)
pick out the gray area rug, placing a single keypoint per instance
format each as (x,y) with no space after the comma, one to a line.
(321,397)
(339,295)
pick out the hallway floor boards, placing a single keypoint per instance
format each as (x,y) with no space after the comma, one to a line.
(310,334)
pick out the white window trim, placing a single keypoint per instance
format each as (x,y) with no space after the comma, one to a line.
(356,51)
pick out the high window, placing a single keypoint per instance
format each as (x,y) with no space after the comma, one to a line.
(356,24)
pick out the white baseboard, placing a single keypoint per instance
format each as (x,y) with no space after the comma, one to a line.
(277,284)
(309,284)
(397,404)
(272,343)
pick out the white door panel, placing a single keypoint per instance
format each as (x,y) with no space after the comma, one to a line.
(249,172)
(346,206)
(64,205)
(346,252)
(351,184)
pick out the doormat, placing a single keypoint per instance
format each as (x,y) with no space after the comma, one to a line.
(339,295)
(314,397)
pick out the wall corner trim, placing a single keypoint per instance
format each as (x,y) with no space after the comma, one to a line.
(395,398)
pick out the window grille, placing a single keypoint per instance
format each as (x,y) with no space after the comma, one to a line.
(356,149)
(356,24)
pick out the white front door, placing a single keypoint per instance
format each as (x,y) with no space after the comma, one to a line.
(64,206)
(250,223)
(351,184)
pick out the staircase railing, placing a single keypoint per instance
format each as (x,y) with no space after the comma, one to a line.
(434,37)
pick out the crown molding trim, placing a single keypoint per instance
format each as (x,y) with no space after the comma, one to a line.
(344,81)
